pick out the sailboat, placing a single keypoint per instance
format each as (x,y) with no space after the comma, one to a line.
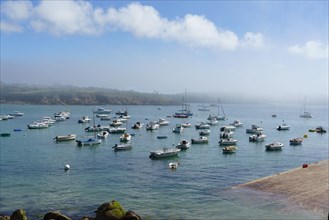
(185,112)
(305,114)
(221,117)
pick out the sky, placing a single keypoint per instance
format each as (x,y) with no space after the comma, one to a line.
(273,49)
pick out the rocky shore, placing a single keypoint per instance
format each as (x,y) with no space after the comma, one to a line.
(107,211)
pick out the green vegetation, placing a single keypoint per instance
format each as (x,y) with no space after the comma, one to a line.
(13,93)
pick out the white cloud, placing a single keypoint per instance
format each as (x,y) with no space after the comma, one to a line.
(311,49)
(80,17)
(7,27)
(17,10)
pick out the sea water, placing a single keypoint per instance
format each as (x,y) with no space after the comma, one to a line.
(33,176)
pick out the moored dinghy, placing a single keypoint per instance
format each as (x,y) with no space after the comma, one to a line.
(89,142)
(119,147)
(173,165)
(296,141)
(69,137)
(274,146)
(164,152)
(229,149)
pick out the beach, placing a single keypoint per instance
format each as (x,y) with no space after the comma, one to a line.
(307,187)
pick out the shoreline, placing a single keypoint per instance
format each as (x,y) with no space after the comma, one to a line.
(307,187)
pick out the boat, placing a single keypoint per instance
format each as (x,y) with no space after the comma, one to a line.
(304,113)
(227,128)
(223,117)
(178,128)
(173,165)
(84,119)
(115,123)
(17,114)
(204,132)
(199,140)
(257,137)
(125,146)
(255,129)
(37,125)
(229,149)
(163,122)
(212,122)
(274,146)
(185,112)
(296,141)
(137,125)
(202,125)
(237,123)
(118,130)
(183,144)
(48,120)
(204,108)
(227,141)
(101,110)
(69,137)
(186,125)
(283,127)
(162,137)
(89,142)
(103,134)
(164,152)
(320,129)
(152,126)
(122,112)
(125,137)
(105,117)
(5,134)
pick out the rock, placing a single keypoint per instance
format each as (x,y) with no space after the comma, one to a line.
(4,217)
(87,218)
(130,215)
(110,211)
(19,214)
(55,215)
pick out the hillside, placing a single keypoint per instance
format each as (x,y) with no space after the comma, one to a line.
(70,95)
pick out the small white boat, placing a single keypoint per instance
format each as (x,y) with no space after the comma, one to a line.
(115,123)
(17,114)
(164,152)
(100,110)
(296,141)
(204,132)
(254,130)
(178,129)
(106,118)
(237,123)
(89,142)
(152,126)
(173,165)
(199,140)
(306,115)
(227,128)
(283,127)
(117,130)
(186,125)
(202,125)
(48,120)
(212,122)
(229,149)
(183,144)
(69,137)
(37,125)
(119,147)
(84,119)
(257,137)
(274,146)
(163,122)
(125,137)
(103,134)
(228,141)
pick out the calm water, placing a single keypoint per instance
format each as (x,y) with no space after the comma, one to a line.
(32,174)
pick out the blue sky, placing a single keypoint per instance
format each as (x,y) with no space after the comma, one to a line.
(274,49)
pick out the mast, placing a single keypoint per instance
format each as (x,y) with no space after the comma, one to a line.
(219,102)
